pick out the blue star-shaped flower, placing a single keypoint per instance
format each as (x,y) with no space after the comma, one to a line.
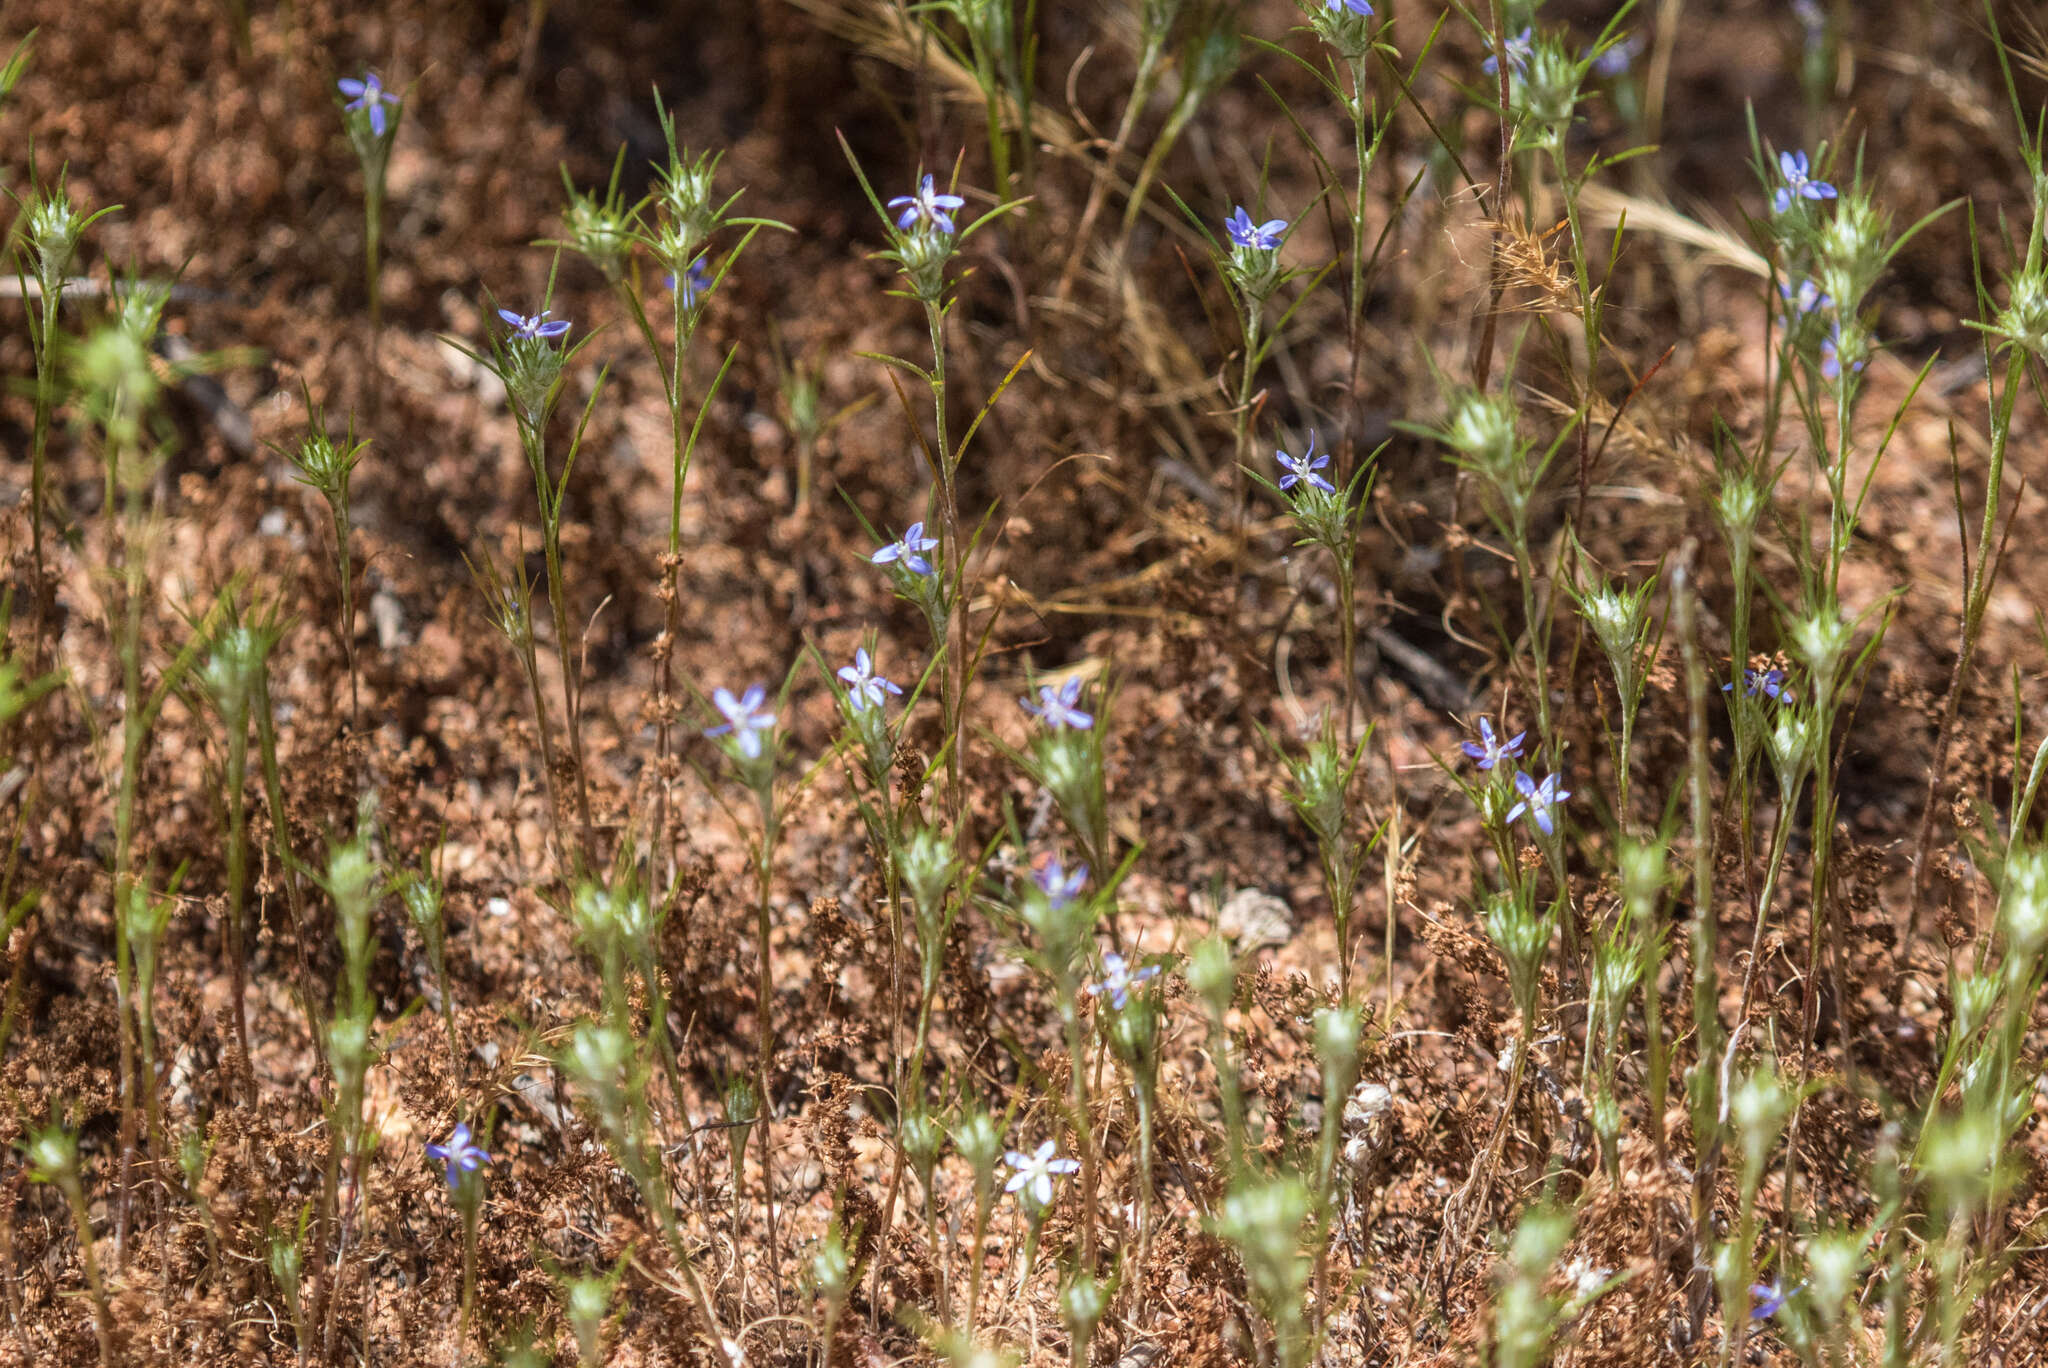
(744,718)
(1794,167)
(461,1155)
(538,325)
(1538,800)
(906,548)
(865,688)
(1357,7)
(1770,683)
(1767,1299)
(1256,237)
(1033,1173)
(1059,884)
(370,96)
(926,204)
(1300,468)
(1118,980)
(1055,707)
(1804,298)
(1489,750)
(695,282)
(1520,49)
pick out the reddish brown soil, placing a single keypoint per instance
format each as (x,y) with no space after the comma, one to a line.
(1112,548)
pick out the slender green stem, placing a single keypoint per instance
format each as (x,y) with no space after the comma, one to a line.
(102,1314)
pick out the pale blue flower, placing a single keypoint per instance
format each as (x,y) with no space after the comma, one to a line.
(461,1155)
(1055,707)
(370,96)
(1256,237)
(1520,49)
(1302,467)
(1032,1174)
(1538,800)
(1794,167)
(1059,884)
(1118,980)
(536,326)
(926,204)
(1490,750)
(906,549)
(745,718)
(865,688)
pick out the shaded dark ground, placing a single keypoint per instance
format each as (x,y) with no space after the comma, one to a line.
(233,167)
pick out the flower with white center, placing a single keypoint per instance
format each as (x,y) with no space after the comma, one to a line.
(745,719)
(1304,467)
(927,204)
(908,549)
(1799,183)
(1489,750)
(1056,706)
(1032,1174)
(1538,800)
(461,1156)
(865,688)
(1118,980)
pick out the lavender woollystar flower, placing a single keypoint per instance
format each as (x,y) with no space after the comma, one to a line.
(1118,980)
(1767,1299)
(906,549)
(1300,468)
(1538,800)
(1059,884)
(1056,707)
(1256,237)
(1770,683)
(1520,49)
(695,282)
(1803,299)
(744,718)
(368,95)
(538,325)
(461,1155)
(1489,750)
(865,688)
(926,204)
(1357,7)
(1794,167)
(1033,1173)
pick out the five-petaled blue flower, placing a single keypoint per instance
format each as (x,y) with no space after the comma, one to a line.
(1301,468)
(1489,750)
(1032,1174)
(461,1155)
(906,548)
(1794,167)
(1059,884)
(1055,706)
(1802,299)
(1767,1299)
(695,282)
(1256,237)
(865,688)
(1538,800)
(537,326)
(1618,57)
(927,204)
(1357,7)
(1118,980)
(744,718)
(1520,49)
(1770,683)
(368,95)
